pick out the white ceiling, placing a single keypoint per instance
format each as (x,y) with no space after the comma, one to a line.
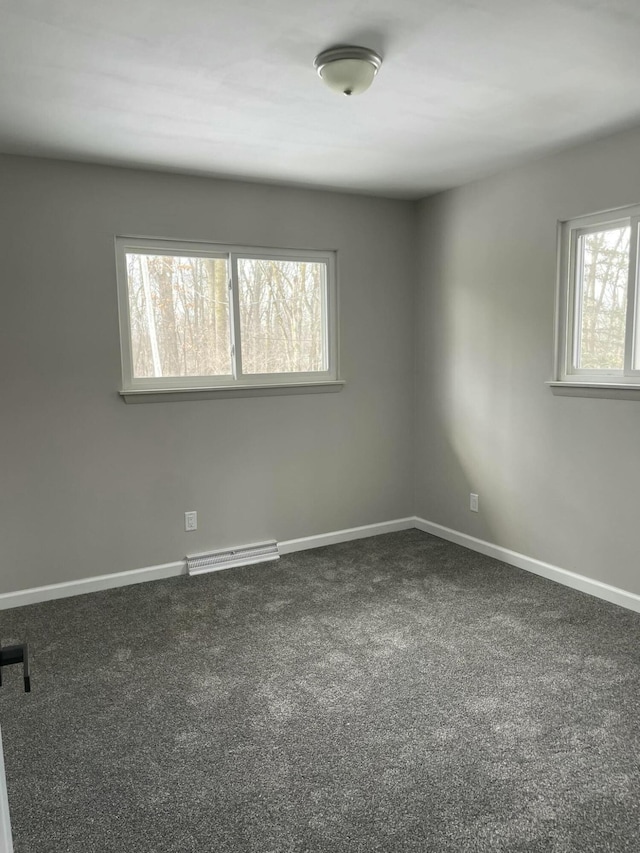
(228,88)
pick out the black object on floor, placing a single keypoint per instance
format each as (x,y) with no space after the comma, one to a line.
(12,655)
(393,694)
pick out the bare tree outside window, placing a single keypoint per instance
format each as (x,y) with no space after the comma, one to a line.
(281,306)
(603,306)
(179,315)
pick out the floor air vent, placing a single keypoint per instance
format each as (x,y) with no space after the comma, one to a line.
(243,556)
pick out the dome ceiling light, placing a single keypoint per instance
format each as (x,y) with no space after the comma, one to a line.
(349,70)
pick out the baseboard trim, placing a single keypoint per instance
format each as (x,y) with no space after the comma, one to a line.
(98,582)
(546,570)
(289,546)
(21,598)
(596,588)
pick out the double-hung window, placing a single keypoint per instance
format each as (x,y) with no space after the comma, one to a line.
(204,315)
(598,322)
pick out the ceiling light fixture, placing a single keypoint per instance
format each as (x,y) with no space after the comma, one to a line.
(349,70)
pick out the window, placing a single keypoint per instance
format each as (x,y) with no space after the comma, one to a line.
(201,315)
(598,303)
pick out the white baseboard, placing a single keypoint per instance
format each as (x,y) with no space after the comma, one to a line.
(592,587)
(168,570)
(94,584)
(291,545)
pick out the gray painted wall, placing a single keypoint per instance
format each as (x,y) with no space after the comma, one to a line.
(90,485)
(558,477)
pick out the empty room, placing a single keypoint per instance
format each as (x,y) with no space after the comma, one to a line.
(320,374)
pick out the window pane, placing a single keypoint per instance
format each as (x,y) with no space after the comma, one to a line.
(281,316)
(179,310)
(604,256)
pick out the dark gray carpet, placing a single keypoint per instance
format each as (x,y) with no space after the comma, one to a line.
(394,694)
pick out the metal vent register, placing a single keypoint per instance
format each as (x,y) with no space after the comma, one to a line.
(245,555)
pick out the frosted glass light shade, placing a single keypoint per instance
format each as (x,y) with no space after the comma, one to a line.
(348,70)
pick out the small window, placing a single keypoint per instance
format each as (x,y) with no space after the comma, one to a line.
(199,315)
(597,304)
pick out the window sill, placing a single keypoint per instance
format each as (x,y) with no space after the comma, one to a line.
(604,390)
(174,395)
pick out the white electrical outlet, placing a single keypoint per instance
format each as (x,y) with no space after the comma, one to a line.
(191,520)
(473,503)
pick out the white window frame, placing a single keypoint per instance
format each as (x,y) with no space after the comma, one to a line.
(238,379)
(568,301)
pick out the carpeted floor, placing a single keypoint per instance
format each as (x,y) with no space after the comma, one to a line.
(394,694)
